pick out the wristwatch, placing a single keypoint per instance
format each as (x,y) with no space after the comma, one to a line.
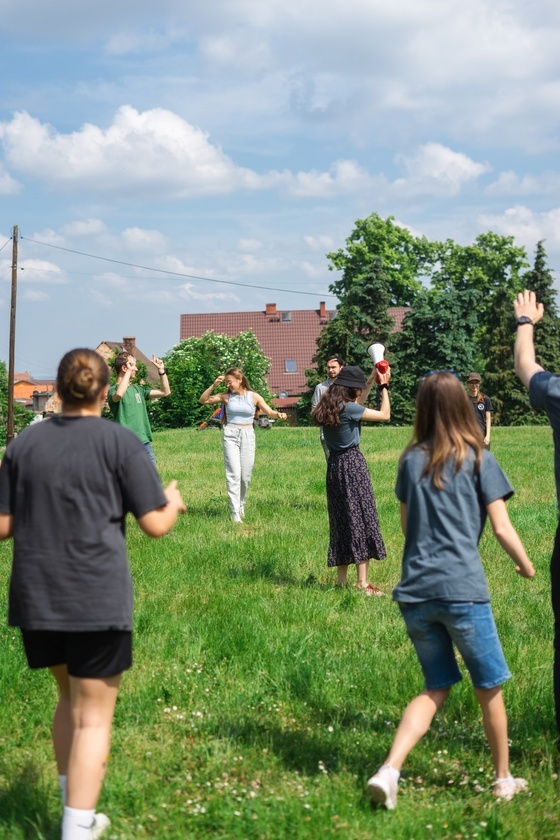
(524,319)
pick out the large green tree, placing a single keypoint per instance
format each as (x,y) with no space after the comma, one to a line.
(509,397)
(193,365)
(405,258)
(547,333)
(361,319)
(437,334)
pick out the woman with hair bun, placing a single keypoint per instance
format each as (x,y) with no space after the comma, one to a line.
(66,486)
(238,439)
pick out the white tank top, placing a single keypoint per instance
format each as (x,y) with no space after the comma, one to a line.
(240,409)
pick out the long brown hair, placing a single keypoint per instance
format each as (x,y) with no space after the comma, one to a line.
(237,373)
(331,405)
(444,425)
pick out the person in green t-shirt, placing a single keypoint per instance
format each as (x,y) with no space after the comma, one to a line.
(127,401)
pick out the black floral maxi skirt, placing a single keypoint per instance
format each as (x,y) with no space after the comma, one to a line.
(355,535)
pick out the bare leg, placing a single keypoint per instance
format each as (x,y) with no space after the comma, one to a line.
(93,704)
(342,572)
(362,570)
(62,727)
(415,722)
(494,718)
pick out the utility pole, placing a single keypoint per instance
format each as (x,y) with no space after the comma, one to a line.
(11,362)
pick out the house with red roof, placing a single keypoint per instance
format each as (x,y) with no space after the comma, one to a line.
(288,337)
(128,344)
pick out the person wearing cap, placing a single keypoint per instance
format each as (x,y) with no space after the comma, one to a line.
(482,406)
(355,535)
(544,393)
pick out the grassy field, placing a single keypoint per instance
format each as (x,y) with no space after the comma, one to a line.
(262,698)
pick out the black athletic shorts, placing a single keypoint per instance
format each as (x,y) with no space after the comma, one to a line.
(96,653)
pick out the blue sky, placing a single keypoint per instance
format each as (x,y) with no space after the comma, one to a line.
(239,140)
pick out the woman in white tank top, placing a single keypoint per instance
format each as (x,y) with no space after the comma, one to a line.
(238,436)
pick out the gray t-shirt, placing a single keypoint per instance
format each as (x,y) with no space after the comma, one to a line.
(441,558)
(347,435)
(544,393)
(69,483)
(319,391)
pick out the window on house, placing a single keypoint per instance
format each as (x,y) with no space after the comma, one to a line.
(286,316)
(290,366)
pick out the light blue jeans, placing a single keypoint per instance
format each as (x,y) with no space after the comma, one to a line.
(239,457)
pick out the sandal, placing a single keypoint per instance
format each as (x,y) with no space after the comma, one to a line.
(370,589)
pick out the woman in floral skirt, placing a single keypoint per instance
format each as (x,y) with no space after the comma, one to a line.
(355,536)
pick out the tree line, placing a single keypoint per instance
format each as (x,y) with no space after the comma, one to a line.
(460,312)
(459,301)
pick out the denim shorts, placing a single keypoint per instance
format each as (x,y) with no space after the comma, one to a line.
(435,626)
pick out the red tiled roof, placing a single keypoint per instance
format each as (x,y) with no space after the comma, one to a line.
(129,345)
(282,340)
(284,336)
(25,376)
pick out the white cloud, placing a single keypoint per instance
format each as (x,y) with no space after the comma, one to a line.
(8,185)
(188,291)
(526,225)
(155,149)
(438,170)
(41,271)
(150,241)
(510,183)
(319,243)
(343,178)
(84,227)
(313,270)
(242,49)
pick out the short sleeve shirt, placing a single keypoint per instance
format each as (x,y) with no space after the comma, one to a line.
(131,411)
(68,483)
(544,393)
(441,558)
(319,391)
(339,438)
(480,409)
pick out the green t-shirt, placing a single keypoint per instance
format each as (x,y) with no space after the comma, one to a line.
(131,411)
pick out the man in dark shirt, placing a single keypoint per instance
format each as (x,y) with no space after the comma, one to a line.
(482,406)
(544,393)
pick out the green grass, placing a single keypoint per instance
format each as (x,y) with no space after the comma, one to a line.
(262,698)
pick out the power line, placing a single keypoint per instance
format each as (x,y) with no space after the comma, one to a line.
(5,243)
(173,273)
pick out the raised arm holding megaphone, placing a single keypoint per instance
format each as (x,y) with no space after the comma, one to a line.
(377,352)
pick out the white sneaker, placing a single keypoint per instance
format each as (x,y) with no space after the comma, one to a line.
(383,787)
(507,788)
(101,823)
(235,517)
